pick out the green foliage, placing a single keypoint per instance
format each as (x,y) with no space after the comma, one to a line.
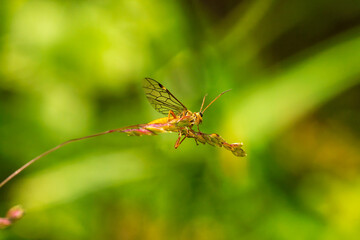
(75,68)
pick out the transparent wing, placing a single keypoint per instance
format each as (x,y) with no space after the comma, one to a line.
(161,98)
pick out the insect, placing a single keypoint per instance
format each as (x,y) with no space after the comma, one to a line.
(167,104)
(178,119)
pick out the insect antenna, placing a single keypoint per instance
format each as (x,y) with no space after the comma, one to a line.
(203,102)
(213,100)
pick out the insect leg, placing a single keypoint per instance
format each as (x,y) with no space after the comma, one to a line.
(181,141)
(195,138)
(172,114)
(178,141)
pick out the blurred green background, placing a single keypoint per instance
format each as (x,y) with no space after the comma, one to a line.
(75,68)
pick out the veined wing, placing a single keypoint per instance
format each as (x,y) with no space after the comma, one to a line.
(162,99)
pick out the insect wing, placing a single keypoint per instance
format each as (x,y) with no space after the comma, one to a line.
(162,99)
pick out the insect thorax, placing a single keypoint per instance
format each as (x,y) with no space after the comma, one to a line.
(196,118)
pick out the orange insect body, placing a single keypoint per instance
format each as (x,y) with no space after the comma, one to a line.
(192,118)
(166,103)
(160,120)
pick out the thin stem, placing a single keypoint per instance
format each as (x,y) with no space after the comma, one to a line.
(50,151)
